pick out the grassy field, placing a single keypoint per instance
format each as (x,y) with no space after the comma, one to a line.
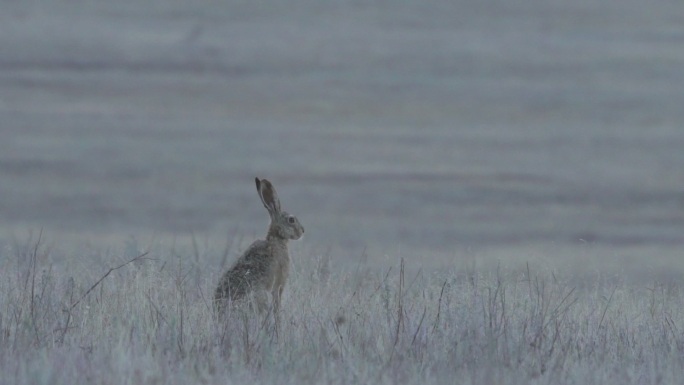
(95,318)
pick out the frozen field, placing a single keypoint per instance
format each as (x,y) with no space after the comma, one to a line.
(525,158)
(436,131)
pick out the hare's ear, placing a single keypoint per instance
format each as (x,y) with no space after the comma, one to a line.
(268,195)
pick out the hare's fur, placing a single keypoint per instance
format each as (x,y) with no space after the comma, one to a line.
(261,272)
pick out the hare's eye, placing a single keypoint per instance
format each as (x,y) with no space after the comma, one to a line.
(291,220)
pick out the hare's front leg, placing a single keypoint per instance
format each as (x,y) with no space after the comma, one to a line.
(277,294)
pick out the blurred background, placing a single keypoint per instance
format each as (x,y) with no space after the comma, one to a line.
(438,131)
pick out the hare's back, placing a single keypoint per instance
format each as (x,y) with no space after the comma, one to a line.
(255,264)
(258,252)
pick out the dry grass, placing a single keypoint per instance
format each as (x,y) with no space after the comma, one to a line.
(151,321)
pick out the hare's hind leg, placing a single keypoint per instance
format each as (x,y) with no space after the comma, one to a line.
(259,302)
(277,294)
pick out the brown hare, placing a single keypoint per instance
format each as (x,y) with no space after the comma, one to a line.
(262,269)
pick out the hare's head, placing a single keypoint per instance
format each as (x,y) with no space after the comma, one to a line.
(283,225)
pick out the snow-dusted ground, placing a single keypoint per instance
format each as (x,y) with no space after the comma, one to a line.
(428,129)
(540,135)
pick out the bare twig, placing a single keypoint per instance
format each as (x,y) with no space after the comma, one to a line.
(68,319)
(415,335)
(605,309)
(34,256)
(141,256)
(439,307)
(400,304)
